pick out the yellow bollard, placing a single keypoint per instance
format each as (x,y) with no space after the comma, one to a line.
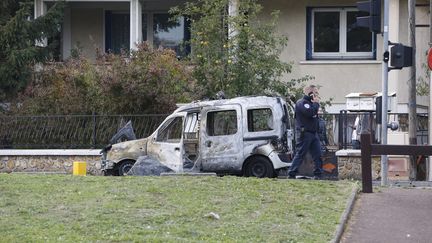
(79,168)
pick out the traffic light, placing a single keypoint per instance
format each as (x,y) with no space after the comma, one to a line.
(401,56)
(373,19)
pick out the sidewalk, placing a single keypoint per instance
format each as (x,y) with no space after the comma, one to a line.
(391,214)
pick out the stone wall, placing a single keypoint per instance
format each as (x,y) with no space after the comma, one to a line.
(349,165)
(61,161)
(49,161)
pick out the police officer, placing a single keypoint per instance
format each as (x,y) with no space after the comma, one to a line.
(307,127)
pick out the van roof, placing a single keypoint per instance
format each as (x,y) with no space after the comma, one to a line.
(243,100)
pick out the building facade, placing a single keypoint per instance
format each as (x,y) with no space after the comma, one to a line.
(323,40)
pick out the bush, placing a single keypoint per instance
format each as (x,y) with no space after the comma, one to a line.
(147,81)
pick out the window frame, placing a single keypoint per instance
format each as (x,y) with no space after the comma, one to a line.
(162,134)
(342,54)
(147,30)
(150,35)
(210,123)
(252,116)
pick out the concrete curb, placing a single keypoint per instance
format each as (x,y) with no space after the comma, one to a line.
(345,216)
(418,184)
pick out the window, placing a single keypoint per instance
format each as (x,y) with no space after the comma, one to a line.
(166,32)
(171,34)
(116,32)
(334,34)
(171,132)
(260,120)
(191,126)
(221,123)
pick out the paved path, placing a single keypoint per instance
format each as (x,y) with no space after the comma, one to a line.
(391,215)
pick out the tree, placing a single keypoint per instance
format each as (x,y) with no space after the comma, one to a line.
(238,54)
(18,34)
(412,105)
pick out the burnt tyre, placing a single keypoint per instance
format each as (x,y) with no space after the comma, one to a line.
(109,173)
(124,167)
(259,167)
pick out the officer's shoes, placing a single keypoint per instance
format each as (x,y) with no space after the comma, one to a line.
(317,177)
(291,177)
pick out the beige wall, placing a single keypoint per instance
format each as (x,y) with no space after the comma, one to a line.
(87,30)
(422,40)
(422,43)
(338,78)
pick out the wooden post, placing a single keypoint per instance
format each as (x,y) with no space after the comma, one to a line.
(366,164)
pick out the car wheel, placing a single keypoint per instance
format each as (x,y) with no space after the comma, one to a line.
(259,167)
(124,167)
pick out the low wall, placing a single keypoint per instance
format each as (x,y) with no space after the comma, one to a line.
(349,165)
(49,160)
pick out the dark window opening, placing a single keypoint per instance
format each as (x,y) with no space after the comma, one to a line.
(260,120)
(221,123)
(117,31)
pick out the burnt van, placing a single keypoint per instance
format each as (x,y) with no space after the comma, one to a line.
(249,136)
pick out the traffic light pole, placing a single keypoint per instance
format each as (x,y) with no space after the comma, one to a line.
(385,69)
(430,95)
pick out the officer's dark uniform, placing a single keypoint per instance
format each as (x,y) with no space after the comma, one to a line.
(307,139)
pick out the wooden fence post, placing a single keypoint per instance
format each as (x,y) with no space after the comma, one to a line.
(366,161)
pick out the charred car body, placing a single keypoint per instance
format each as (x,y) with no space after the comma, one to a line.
(248,136)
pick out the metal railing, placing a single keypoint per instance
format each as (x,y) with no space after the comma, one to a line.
(344,126)
(70,131)
(95,131)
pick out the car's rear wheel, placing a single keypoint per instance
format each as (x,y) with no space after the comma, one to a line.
(124,167)
(259,167)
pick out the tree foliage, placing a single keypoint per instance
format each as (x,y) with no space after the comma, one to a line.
(18,33)
(147,81)
(239,54)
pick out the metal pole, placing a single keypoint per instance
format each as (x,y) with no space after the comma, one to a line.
(340,128)
(345,127)
(429,162)
(384,162)
(94,129)
(430,95)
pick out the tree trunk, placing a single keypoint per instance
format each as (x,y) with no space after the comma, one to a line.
(412,102)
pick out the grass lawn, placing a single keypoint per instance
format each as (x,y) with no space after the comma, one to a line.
(53,208)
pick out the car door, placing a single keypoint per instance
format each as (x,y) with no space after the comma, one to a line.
(167,143)
(221,144)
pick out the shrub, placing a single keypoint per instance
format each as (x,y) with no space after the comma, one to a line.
(148,81)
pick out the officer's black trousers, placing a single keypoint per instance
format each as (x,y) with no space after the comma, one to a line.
(308,141)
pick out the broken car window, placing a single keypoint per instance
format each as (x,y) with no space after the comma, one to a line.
(191,126)
(172,132)
(260,120)
(222,123)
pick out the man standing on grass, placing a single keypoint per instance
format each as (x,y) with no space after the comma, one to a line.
(306,132)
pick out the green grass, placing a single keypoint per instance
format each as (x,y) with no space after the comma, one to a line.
(53,208)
